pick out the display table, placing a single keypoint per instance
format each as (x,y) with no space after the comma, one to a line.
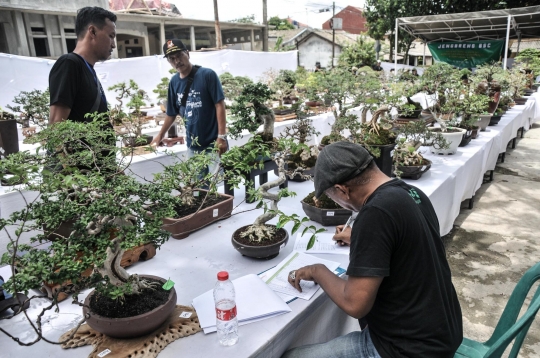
(192,263)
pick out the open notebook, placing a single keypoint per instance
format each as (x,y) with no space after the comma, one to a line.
(255,301)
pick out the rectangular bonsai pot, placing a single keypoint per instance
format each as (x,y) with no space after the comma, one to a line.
(182,227)
(326,217)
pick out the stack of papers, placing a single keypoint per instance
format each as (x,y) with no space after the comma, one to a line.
(255,301)
(277,278)
(323,245)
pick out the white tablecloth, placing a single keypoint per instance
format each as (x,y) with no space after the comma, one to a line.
(193,262)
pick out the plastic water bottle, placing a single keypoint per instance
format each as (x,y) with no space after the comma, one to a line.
(226,321)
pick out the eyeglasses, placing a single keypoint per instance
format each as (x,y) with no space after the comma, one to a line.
(177,57)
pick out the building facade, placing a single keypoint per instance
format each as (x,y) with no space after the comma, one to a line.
(46,28)
(354,21)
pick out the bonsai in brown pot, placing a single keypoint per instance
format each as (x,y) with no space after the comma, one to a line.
(111,212)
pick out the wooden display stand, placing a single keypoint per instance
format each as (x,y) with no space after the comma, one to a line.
(285,117)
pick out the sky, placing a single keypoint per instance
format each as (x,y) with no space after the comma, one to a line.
(306,12)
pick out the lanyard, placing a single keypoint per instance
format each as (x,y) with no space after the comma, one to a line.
(100,89)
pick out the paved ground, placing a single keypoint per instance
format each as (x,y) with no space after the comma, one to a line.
(493,244)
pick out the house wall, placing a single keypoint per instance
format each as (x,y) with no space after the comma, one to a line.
(314,49)
(353,21)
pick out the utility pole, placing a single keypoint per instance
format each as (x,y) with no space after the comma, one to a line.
(218,30)
(333,32)
(265,29)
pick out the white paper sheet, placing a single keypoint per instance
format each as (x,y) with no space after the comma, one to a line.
(323,244)
(279,280)
(255,301)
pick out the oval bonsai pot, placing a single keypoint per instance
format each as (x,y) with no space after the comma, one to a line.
(326,217)
(266,252)
(520,101)
(131,327)
(414,172)
(453,138)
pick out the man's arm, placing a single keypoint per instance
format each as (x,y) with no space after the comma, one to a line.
(355,296)
(58,113)
(169,120)
(222,125)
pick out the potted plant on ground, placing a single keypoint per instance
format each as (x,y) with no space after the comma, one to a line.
(109,211)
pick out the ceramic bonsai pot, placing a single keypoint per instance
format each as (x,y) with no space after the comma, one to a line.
(494,120)
(131,327)
(384,161)
(326,217)
(181,228)
(520,101)
(484,121)
(453,138)
(282,112)
(266,252)
(9,136)
(414,172)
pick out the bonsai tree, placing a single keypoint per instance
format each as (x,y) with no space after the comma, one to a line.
(33,107)
(529,60)
(405,154)
(443,87)
(84,186)
(250,110)
(485,81)
(233,85)
(300,132)
(134,120)
(240,158)
(162,89)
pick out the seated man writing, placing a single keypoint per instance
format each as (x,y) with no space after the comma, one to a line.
(399,280)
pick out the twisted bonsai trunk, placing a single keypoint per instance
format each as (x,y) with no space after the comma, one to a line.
(259,231)
(268,126)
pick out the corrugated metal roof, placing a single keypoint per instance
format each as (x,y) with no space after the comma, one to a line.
(155,7)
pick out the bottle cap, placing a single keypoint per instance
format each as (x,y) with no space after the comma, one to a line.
(223,276)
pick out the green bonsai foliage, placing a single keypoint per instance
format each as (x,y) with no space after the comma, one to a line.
(376,132)
(444,87)
(83,186)
(359,54)
(4,116)
(233,85)
(405,154)
(485,80)
(250,111)
(133,121)
(162,87)
(33,107)
(300,132)
(529,59)
(281,83)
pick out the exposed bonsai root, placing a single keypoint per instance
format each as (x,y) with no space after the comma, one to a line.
(259,233)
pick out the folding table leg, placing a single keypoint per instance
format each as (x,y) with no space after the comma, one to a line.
(471,202)
(522,131)
(491,175)
(514,143)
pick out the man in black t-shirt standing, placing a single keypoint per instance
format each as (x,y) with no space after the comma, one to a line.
(399,280)
(73,84)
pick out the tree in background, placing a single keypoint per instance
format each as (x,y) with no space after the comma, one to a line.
(280,24)
(359,54)
(250,19)
(381,15)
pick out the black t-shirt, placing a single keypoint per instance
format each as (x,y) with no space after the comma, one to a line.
(416,312)
(72,83)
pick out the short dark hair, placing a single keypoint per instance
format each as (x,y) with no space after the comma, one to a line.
(91,15)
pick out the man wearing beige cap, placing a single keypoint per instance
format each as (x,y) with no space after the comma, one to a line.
(196,95)
(399,282)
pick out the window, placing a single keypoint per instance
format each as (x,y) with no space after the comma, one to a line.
(70,44)
(126,42)
(38,30)
(42,49)
(69,31)
(136,41)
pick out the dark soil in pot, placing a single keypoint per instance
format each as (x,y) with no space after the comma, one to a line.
(184,210)
(132,305)
(327,213)
(267,249)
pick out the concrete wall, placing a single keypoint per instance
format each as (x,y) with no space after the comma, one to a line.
(54,5)
(315,49)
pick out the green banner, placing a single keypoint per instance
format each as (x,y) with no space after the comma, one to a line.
(467,54)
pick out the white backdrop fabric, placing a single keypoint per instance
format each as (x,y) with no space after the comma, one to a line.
(20,73)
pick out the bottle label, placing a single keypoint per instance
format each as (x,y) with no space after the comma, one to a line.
(226,315)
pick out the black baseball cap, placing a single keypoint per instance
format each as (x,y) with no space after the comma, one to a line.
(338,163)
(172,46)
